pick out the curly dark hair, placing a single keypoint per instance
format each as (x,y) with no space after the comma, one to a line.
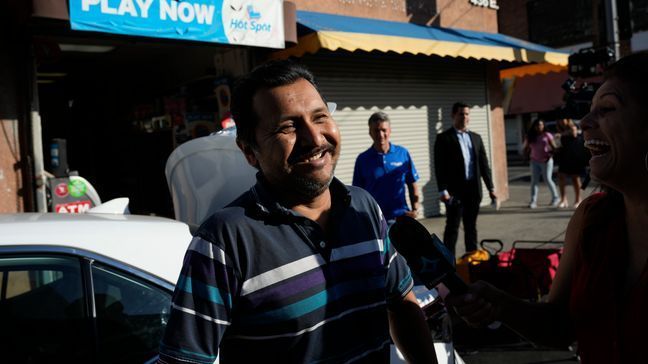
(632,70)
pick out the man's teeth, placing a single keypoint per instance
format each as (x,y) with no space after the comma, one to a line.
(315,157)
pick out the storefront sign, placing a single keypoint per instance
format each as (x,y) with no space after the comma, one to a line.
(244,22)
(69,195)
(73,207)
(485,3)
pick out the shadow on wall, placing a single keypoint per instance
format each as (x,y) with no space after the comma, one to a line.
(430,189)
(422,12)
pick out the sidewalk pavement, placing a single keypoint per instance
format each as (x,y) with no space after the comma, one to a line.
(514,220)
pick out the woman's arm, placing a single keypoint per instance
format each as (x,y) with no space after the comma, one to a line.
(552,142)
(548,322)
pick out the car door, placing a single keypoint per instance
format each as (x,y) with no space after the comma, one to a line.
(76,308)
(43,310)
(131,314)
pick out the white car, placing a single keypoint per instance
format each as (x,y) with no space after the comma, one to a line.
(96,288)
(88,288)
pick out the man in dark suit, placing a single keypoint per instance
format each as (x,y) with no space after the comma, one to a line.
(460,163)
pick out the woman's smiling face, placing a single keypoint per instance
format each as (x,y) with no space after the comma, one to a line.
(616,134)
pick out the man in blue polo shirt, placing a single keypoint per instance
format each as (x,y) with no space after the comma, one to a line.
(385,169)
(300,268)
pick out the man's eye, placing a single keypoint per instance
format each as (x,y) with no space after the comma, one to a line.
(321,118)
(286,128)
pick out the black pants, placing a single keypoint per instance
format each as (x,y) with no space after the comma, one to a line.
(463,206)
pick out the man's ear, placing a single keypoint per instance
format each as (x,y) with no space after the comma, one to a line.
(248,151)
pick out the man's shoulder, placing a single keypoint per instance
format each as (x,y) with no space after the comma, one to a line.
(399,149)
(447,133)
(370,151)
(360,197)
(357,192)
(234,214)
(475,134)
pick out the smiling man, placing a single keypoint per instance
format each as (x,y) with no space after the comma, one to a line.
(385,169)
(298,269)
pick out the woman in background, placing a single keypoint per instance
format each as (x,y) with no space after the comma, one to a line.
(539,145)
(571,160)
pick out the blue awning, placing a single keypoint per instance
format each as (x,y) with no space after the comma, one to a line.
(327,31)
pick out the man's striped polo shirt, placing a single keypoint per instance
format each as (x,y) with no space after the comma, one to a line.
(265,284)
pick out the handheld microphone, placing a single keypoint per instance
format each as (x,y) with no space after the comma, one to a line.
(428,258)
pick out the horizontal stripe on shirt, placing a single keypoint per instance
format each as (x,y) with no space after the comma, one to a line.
(358,249)
(316,301)
(207,249)
(281,273)
(205,291)
(312,328)
(197,314)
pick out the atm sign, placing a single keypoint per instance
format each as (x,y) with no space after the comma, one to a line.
(73,207)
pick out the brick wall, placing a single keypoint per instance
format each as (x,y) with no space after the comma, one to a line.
(10,177)
(453,13)
(462,14)
(512,18)
(395,10)
(10,154)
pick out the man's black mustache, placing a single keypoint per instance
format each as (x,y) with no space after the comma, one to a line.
(301,155)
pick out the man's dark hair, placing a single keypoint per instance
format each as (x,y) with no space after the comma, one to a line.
(378,117)
(266,76)
(457,106)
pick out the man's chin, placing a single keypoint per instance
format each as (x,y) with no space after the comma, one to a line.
(310,188)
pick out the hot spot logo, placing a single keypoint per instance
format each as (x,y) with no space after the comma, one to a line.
(252,14)
(248,21)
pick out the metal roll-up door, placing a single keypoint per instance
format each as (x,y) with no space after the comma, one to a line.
(417,92)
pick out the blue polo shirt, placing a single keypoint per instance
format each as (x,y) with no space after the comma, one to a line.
(384,176)
(261,283)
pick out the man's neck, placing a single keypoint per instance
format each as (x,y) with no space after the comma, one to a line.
(461,130)
(317,209)
(381,148)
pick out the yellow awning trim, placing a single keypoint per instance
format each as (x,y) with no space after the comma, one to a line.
(351,42)
(531,69)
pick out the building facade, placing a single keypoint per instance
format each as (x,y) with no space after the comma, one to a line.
(123,102)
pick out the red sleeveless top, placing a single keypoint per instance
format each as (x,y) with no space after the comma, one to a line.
(611,326)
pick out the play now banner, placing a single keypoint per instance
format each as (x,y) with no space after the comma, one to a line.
(244,22)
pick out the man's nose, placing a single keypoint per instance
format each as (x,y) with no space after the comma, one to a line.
(310,134)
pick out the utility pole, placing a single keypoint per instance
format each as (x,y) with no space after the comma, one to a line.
(612,26)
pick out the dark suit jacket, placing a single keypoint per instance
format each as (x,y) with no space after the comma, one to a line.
(449,163)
